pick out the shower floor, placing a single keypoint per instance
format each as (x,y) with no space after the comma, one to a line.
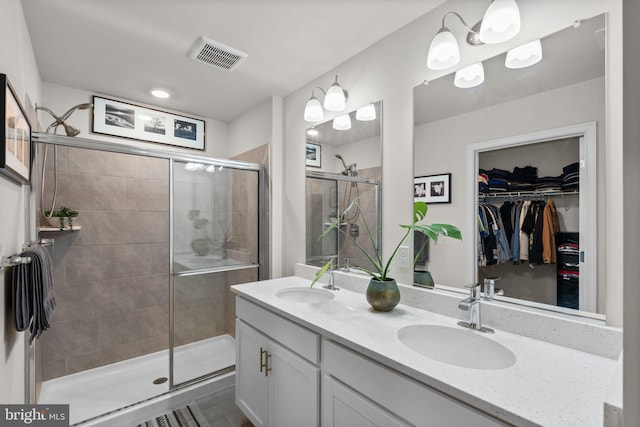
(107,388)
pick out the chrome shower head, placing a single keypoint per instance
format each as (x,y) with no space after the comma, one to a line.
(339,156)
(60,120)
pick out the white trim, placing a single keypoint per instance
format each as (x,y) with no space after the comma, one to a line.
(588,200)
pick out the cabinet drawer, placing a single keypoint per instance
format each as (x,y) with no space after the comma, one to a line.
(295,337)
(408,399)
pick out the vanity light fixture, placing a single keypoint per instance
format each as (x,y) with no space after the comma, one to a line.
(342,122)
(335,99)
(312,132)
(366,113)
(470,76)
(501,22)
(524,56)
(160,93)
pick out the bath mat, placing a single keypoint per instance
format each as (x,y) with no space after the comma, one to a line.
(187,416)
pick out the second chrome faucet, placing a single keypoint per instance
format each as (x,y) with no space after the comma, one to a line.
(472,303)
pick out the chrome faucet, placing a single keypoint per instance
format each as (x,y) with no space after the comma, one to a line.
(472,305)
(331,286)
(490,288)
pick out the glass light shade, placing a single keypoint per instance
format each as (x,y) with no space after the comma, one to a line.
(470,76)
(342,122)
(335,99)
(211,169)
(313,111)
(501,22)
(313,132)
(366,113)
(525,55)
(443,51)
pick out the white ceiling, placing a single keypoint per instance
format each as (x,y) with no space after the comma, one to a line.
(123,48)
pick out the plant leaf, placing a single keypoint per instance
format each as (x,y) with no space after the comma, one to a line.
(322,270)
(419,211)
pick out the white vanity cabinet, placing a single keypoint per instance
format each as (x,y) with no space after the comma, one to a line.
(278,382)
(277,377)
(360,392)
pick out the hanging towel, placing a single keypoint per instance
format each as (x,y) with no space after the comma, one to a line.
(33,299)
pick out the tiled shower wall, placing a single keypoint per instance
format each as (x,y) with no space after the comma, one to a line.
(111,277)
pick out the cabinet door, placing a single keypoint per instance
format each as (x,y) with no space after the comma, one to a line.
(293,389)
(342,406)
(251,383)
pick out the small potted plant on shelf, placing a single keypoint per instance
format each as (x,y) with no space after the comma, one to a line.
(383,293)
(63,218)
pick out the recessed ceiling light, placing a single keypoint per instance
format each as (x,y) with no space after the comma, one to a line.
(160,93)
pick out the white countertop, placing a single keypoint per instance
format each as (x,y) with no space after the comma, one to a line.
(549,385)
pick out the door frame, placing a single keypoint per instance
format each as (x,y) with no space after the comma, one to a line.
(587,132)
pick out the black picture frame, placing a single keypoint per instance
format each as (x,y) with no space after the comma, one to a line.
(313,155)
(432,188)
(126,120)
(16,150)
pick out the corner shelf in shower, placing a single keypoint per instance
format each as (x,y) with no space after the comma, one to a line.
(48,228)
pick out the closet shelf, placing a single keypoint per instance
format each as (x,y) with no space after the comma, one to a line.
(525,194)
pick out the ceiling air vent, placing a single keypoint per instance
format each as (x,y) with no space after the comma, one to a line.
(216,54)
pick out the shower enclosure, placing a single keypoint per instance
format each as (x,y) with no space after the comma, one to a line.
(328,195)
(142,284)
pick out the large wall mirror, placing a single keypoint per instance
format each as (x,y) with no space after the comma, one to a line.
(343,165)
(524,140)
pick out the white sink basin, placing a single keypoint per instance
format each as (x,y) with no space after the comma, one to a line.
(456,346)
(305,295)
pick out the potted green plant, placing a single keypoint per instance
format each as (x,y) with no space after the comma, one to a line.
(63,217)
(383,293)
(201,245)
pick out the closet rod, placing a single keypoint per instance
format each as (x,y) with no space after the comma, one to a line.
(526,194)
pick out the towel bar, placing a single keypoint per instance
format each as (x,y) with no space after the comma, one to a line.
(10,261)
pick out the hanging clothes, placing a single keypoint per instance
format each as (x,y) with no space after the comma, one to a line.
(550,227)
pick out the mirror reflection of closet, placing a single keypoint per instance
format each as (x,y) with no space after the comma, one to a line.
(535,187)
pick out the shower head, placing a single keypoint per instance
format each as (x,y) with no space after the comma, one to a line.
(348,170)
(60,120)
(339,156)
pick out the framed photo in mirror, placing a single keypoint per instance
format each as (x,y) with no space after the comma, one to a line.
(432,188)
(15,138)
(314,155)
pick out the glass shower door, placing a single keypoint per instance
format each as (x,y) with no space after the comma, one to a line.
(214,244)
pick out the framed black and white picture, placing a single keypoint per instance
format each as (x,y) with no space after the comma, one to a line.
(15,135)
(313,155)
(117,118)
(432,188)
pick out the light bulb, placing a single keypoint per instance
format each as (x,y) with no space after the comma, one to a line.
(335,100)
(366,113)
(501,22)
(342,122)
(444,51)
(470,76)
(525,55)
(313,111)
